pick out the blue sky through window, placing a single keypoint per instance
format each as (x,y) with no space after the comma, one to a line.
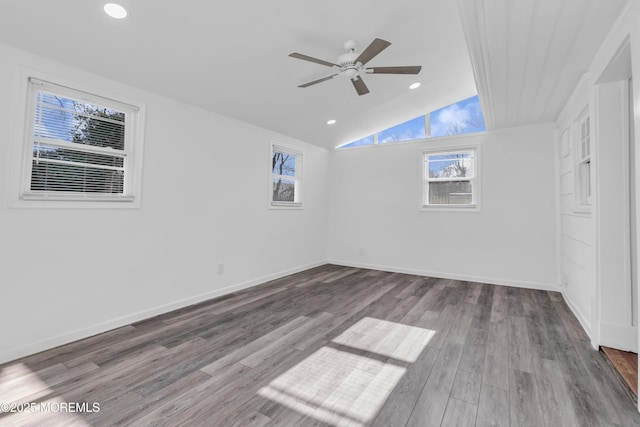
(55,118)
(455,119)
(367,140)
(450,165)
(284,164)
(58,117)
(462,117)
(412,129)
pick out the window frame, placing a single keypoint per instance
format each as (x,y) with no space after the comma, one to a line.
(297,178)
(23,136)
(475,180)
(582,135)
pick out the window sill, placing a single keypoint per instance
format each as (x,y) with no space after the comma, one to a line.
(450,208)
(58,201)
(582,209)
(280,206)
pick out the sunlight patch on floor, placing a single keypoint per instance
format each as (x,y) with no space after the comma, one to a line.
(343,388)
(335,387)
(395,340)
(46,413)
(18,382)
(20,386)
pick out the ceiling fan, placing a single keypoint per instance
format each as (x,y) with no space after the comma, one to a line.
(352,65)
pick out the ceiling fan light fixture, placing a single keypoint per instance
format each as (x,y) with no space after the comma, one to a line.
(115,10)
(351,72)
(331,122)
(415,85)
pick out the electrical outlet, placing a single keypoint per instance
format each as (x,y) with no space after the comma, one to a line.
(221,268)
(361,251)
(564,280)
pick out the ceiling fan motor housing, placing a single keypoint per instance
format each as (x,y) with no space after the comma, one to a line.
(348,65)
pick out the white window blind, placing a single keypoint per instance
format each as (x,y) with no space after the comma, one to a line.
(78,147)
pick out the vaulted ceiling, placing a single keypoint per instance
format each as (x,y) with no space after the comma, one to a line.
(232,57)
(529,55)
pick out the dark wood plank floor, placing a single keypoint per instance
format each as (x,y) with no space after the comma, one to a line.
(334,346)
(626,364)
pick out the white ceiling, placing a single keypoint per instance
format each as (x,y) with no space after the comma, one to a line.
(232,57)
(528,55)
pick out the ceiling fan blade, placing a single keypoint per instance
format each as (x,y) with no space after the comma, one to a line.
(361,88)
(324,79)
(312,59)
(395,70)
(376,46)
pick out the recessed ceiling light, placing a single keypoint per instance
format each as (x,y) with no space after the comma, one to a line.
(331,122)
(115,10)
(415,85)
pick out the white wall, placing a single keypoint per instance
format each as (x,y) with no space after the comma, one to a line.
(576,227)
(374,205)
(68,273)
(595,249)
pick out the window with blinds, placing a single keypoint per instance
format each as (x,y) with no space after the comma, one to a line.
(79,145)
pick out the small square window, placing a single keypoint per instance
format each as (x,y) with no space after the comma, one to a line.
(451,179)
(286,177)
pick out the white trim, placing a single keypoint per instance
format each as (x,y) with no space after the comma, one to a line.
(450,208)
(65,338)
(448,275)
(577,101)
(582,319)
(436,139)
(619,336)
(560,276)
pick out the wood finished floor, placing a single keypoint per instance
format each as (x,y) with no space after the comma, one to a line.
(335,346)
(626,364)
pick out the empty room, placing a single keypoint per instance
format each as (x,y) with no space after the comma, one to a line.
(400,213)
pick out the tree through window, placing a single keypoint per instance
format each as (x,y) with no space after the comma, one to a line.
(79,146)
(285,177)
(450,178)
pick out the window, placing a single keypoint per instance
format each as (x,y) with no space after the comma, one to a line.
(583,158)
(412,129)
(455,119)
(78,146)
(286,177)
(367,140)
(459,118)
(451,179)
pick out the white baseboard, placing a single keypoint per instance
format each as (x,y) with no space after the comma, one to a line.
(19,352)
(68,337)
(621,337)
(584,321)
(453,276)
